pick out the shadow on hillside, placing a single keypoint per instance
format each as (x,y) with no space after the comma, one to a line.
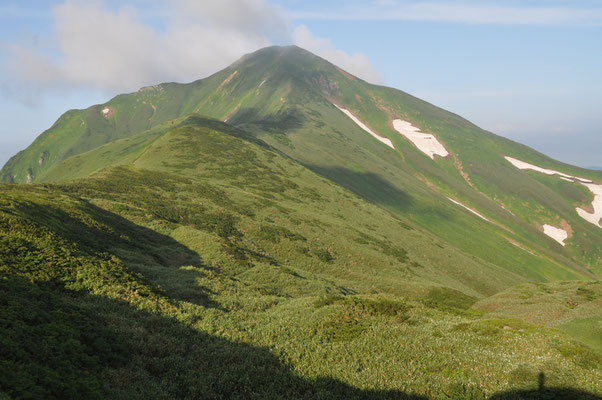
(158,257)
(370,186)
(283,122)
(219,126)
(545,393)
(61,344)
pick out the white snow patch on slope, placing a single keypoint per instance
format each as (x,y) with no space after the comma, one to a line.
(105,111)
(262,82)
(520,247)
(524,165)
(468,208)
(364,127)
(557,234)
(596,189)
(594,217)
(583,180)
(425,142)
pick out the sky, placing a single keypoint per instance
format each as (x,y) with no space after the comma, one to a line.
(529,70)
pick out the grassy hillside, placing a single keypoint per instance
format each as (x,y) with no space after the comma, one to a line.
(285,96)
(573,307)
(125,295)
(217,157)
(285,209)
(409,183)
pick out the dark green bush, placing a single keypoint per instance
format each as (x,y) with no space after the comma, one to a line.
(447,298)
(324,255)
(275,233)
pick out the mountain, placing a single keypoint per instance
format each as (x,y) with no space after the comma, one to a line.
(290,99)
(268,232)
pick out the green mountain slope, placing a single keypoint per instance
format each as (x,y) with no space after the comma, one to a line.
(209,152)
(288,253)
(570,306)
(205,264)
(285,96)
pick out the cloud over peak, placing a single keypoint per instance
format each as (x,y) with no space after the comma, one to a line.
(357,64)
(122,49)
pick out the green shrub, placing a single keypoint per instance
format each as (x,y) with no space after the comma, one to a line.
(329,299)
(587,293)
(458,391)
(324,255)
(581,354)
(274,234)
(383,246)
(523,376)
(366,306)
(447,298)
(343,329)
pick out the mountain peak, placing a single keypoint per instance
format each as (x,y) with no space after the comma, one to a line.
(280,51)
(292,60)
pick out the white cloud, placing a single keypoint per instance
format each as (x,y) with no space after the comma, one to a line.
(356,64)
(123,49)
(463,12)
(250,17)
(111,50)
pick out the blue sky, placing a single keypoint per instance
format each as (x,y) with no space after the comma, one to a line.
(528,70)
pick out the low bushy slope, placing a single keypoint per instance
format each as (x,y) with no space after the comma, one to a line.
(573,307)
(96,306)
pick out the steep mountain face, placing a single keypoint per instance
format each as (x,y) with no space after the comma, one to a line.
(390,148)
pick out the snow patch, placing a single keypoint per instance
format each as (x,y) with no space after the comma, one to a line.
(425,142)
(596,189)
(228,79)
(105,111)
(364,127)
(584,180)
(468,208)
(594,217)
(557,234)
(519,246)
(524,165)
(262,82)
